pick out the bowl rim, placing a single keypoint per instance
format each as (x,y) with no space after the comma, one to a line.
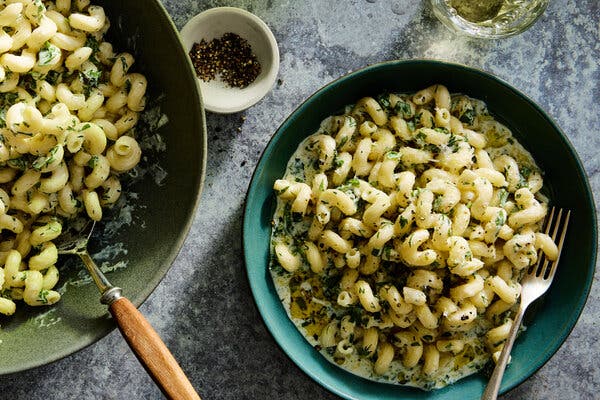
(270,325)
(269,78)
(141,296)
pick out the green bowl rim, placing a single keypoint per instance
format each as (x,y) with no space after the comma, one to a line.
(160,273)
(338,81)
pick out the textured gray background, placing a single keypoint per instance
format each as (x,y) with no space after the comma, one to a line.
(209,321)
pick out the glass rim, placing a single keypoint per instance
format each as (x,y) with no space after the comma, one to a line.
(448,16)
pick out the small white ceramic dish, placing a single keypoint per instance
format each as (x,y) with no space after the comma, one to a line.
(214,23)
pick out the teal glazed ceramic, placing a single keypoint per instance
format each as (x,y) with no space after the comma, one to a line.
(163,213)
(552,318)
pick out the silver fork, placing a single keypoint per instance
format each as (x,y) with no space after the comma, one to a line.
(534,284)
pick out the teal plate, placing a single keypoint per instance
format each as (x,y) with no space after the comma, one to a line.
(552,318)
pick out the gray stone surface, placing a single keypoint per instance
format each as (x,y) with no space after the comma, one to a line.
(203,308)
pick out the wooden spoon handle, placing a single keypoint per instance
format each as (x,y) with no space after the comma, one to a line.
(152,351)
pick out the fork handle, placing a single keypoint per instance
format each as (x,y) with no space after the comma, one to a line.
(493,386)
(152,351)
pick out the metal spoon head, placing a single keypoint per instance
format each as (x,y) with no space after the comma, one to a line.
(75,236)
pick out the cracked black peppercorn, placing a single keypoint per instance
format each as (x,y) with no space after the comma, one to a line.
(230,57)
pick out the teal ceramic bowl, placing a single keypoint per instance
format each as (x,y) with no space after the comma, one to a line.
(163,212)
(555,315)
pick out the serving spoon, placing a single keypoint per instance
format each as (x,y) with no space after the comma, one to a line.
(146,344)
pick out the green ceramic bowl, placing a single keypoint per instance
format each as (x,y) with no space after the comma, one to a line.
(163,213)
(554,316)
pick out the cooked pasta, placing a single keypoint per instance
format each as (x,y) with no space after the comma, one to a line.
(402,230)
(68,106)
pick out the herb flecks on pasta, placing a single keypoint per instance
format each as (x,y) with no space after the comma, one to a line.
(68,108)
(401,233)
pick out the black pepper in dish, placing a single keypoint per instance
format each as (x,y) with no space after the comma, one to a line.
(229,56)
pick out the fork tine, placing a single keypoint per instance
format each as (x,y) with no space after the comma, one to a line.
(539,268)
(549,221)
(543,271)
(558,218)
(561,241)
(547,268)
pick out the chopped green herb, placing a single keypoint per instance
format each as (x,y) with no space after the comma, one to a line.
(8,99)
(52,77)
(92,43)
(453,143)
(403,109)
(47,54)
(526,171)
(432,148)
(402,221)
(90,78)
(503,197)
(93,162)
(384,101)
(500,219)
(338,162)
(343,141)
(392,155)
(43,296)
(437,202)
(18,163)
(420,137)
(44,161)
(468,117)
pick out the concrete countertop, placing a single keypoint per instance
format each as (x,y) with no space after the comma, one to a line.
(210,322)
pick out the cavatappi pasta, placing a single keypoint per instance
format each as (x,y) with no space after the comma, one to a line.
(68,106)
(402,229)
